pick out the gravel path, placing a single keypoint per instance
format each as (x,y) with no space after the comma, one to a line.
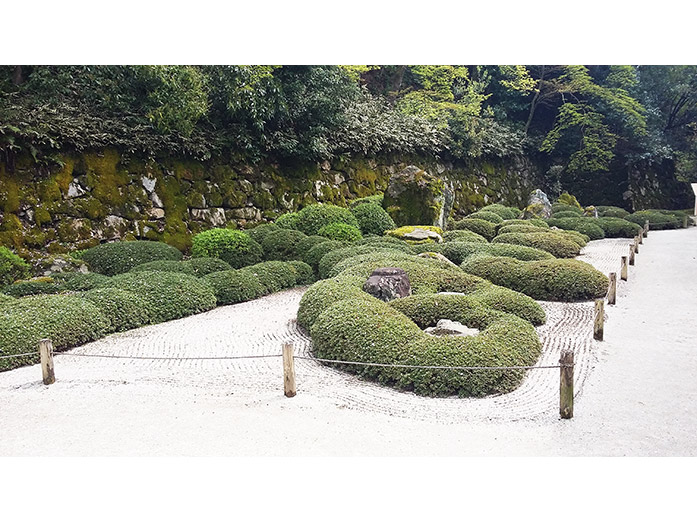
(104,406)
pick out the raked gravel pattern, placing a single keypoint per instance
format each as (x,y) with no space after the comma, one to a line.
(259,327)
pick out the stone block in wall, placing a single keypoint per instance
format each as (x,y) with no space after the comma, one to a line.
(214,216)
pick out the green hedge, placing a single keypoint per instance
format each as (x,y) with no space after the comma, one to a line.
(618,228)
(658,220)
(12,267)
(375,199)
(486,216)
(5,299)
(67,320)
(234,286)
(77,281)
(164,266)
(304,275)
(563,207)
(535,222)
(584,225)
(556,280)
(456,252)
(565,214)
(259,232)
(234,247)
(373,219)
(43,285)
(519,229)
(288,221)
(124,309)
(168,295)
(547,241)
(386,241)
(282,244)
(507,213)
(341,232)
(307,243)
(313,217)
(273,275)
(401,232)
(481,227)
(204,265)
(463,236)
(315,254)
(609,211)
(119,257)
(333,257)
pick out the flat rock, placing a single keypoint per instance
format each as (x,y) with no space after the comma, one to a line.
(446,327)
(388,283)
(423,234)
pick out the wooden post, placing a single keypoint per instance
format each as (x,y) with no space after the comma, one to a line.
(598,324)
(646,228)
(46,355)
(612,289)
(636,244)
(288,370)
(641,237)
(566,384)
(623,270)
(631,254)
(684,222)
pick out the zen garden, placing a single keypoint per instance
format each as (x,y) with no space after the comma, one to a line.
(432,244)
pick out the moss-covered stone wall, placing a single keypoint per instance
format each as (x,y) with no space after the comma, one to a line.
(100,196)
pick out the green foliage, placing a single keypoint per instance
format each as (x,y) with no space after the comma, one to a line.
(313,217)
(555,280)
(565,207)
(260,232)
(77,281)
(568,199)
(372,218)
(457,252)
(329,260)
(463,236)
(32,287)
(287,221)
(482,227)
(119,257)
(536,222)
(231,246)
(565,214)
(657,219)
(519,228)
(400,233)
(124,310)
(66,320)
(507,213)
(553,243)
(375,199)
(6,300)
(304,275)
(168,295)
(302,248)
(584,225)
(487,216)
(165,266)
(203,265)
(341,232)
(282,244)
(611,211)
(386,241)
(618,228)
(12,267)
(273,275)
(316,252)
(234,286)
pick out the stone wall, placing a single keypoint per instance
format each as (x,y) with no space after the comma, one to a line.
(100,196)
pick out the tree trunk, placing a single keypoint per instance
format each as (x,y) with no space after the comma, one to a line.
(533,106)
(17,77)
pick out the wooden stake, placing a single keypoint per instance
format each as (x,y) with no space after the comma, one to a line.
(646,228)
(684,222)
(598,325)
(612,289)
(623,270)
(641,237)
(636,244)
(566,385)
(631,254)
(288,370)
(46,354)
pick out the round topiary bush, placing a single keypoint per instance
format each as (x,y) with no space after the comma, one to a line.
(341,232)
(231,246)
(307,243)
(282,244)
(12,267)
(67,320)
(373,219)
(555,280)
(77,281)
(204,265)
(547,241)
(119,257)
(565,214)
(618,228)
(168,295)
(481,227)
(658,220)
(5,299)
(464,236)
(564,207)
(164,266)
(535,222)
(124,309)
(456,252)
(524,229)
(259,232)
(304,275)
(287,221)
(315,254)
(507,213)
(313,217)
(235,286)
(609,211)
(486,216)
(273,275)
(333,257)
(584,225)
(42,285)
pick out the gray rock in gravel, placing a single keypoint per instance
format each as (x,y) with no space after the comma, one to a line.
(388,283)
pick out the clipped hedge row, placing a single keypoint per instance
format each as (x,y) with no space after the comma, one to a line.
(609,211)
(584,225)
(480,227)
(536,222)
(124,309)
(234,286)
(555,280)
(119,257)
(282,244)
(456,252)
(618,228)
(315,254)
(464,236)
(36,286)
(329,260)
(658,220)
(564,207)
(551,242)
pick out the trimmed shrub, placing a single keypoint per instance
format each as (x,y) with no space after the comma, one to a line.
(565,214)
(609,211)
(67,320)
(524,229)
(119,257)
(568,199)
(313,217)
(124,309)
(556,280)
(287,221)
(486,216)
(387,241)
(234,286)
(282,244)
(341,232)
(42,285)
(658,220)
(304,275)
(375,199)
(536,222)
(231,246)
(260,232)
(463,236)
(315,254)
(373,219)
(333,257)
(204,265)
(12,267)
(563,207)
(547,241)
(77,281)
(5,299)
(164,266)
(507,213)
(587,226)
(168,295)
(307,243)
(618,228)
(481,227)
(273,275)
(456,252)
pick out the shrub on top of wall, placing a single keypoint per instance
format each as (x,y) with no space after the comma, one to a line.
(119,257)
(232,246)
(373,219)
(313,217)
(341,231)
(481,227)
(485,215)
(555,244)
(12,267)
(282,244)
(507,213)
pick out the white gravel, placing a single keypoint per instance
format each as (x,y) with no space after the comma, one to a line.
(636,391)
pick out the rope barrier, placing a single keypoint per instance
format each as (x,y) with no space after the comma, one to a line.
(115,356)
(19,355)
(403,366)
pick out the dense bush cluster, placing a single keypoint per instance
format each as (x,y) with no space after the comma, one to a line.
(401,232)
(609,211)
(341,231)
(164,266)
(556,280)
(119,257)
(507,213)
(124,309)
(482,227)
(315,254)
(77,281)
(32,287)
(536,222)
(282,244)
(564,207)
(456,252)
(12,267)
(234,247)
(584,225)
(5,299)
(657,219)
(551,242)
(259,232)
(273,275)
(333,257)
(372,218)
(312,218)
(463,235)
(234,286)
(204,265)
(618,228)
(486,216)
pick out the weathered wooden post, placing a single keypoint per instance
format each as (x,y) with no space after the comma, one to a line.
(646,229)
(636,244)
(684,222)
(288,370)
(612,289)
(623,269)
(566,384)
(631,254)
(640,236)
(598,324)
(46,355)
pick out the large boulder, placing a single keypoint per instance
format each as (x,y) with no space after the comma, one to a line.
(539,206)
(388,283)
(414,196)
